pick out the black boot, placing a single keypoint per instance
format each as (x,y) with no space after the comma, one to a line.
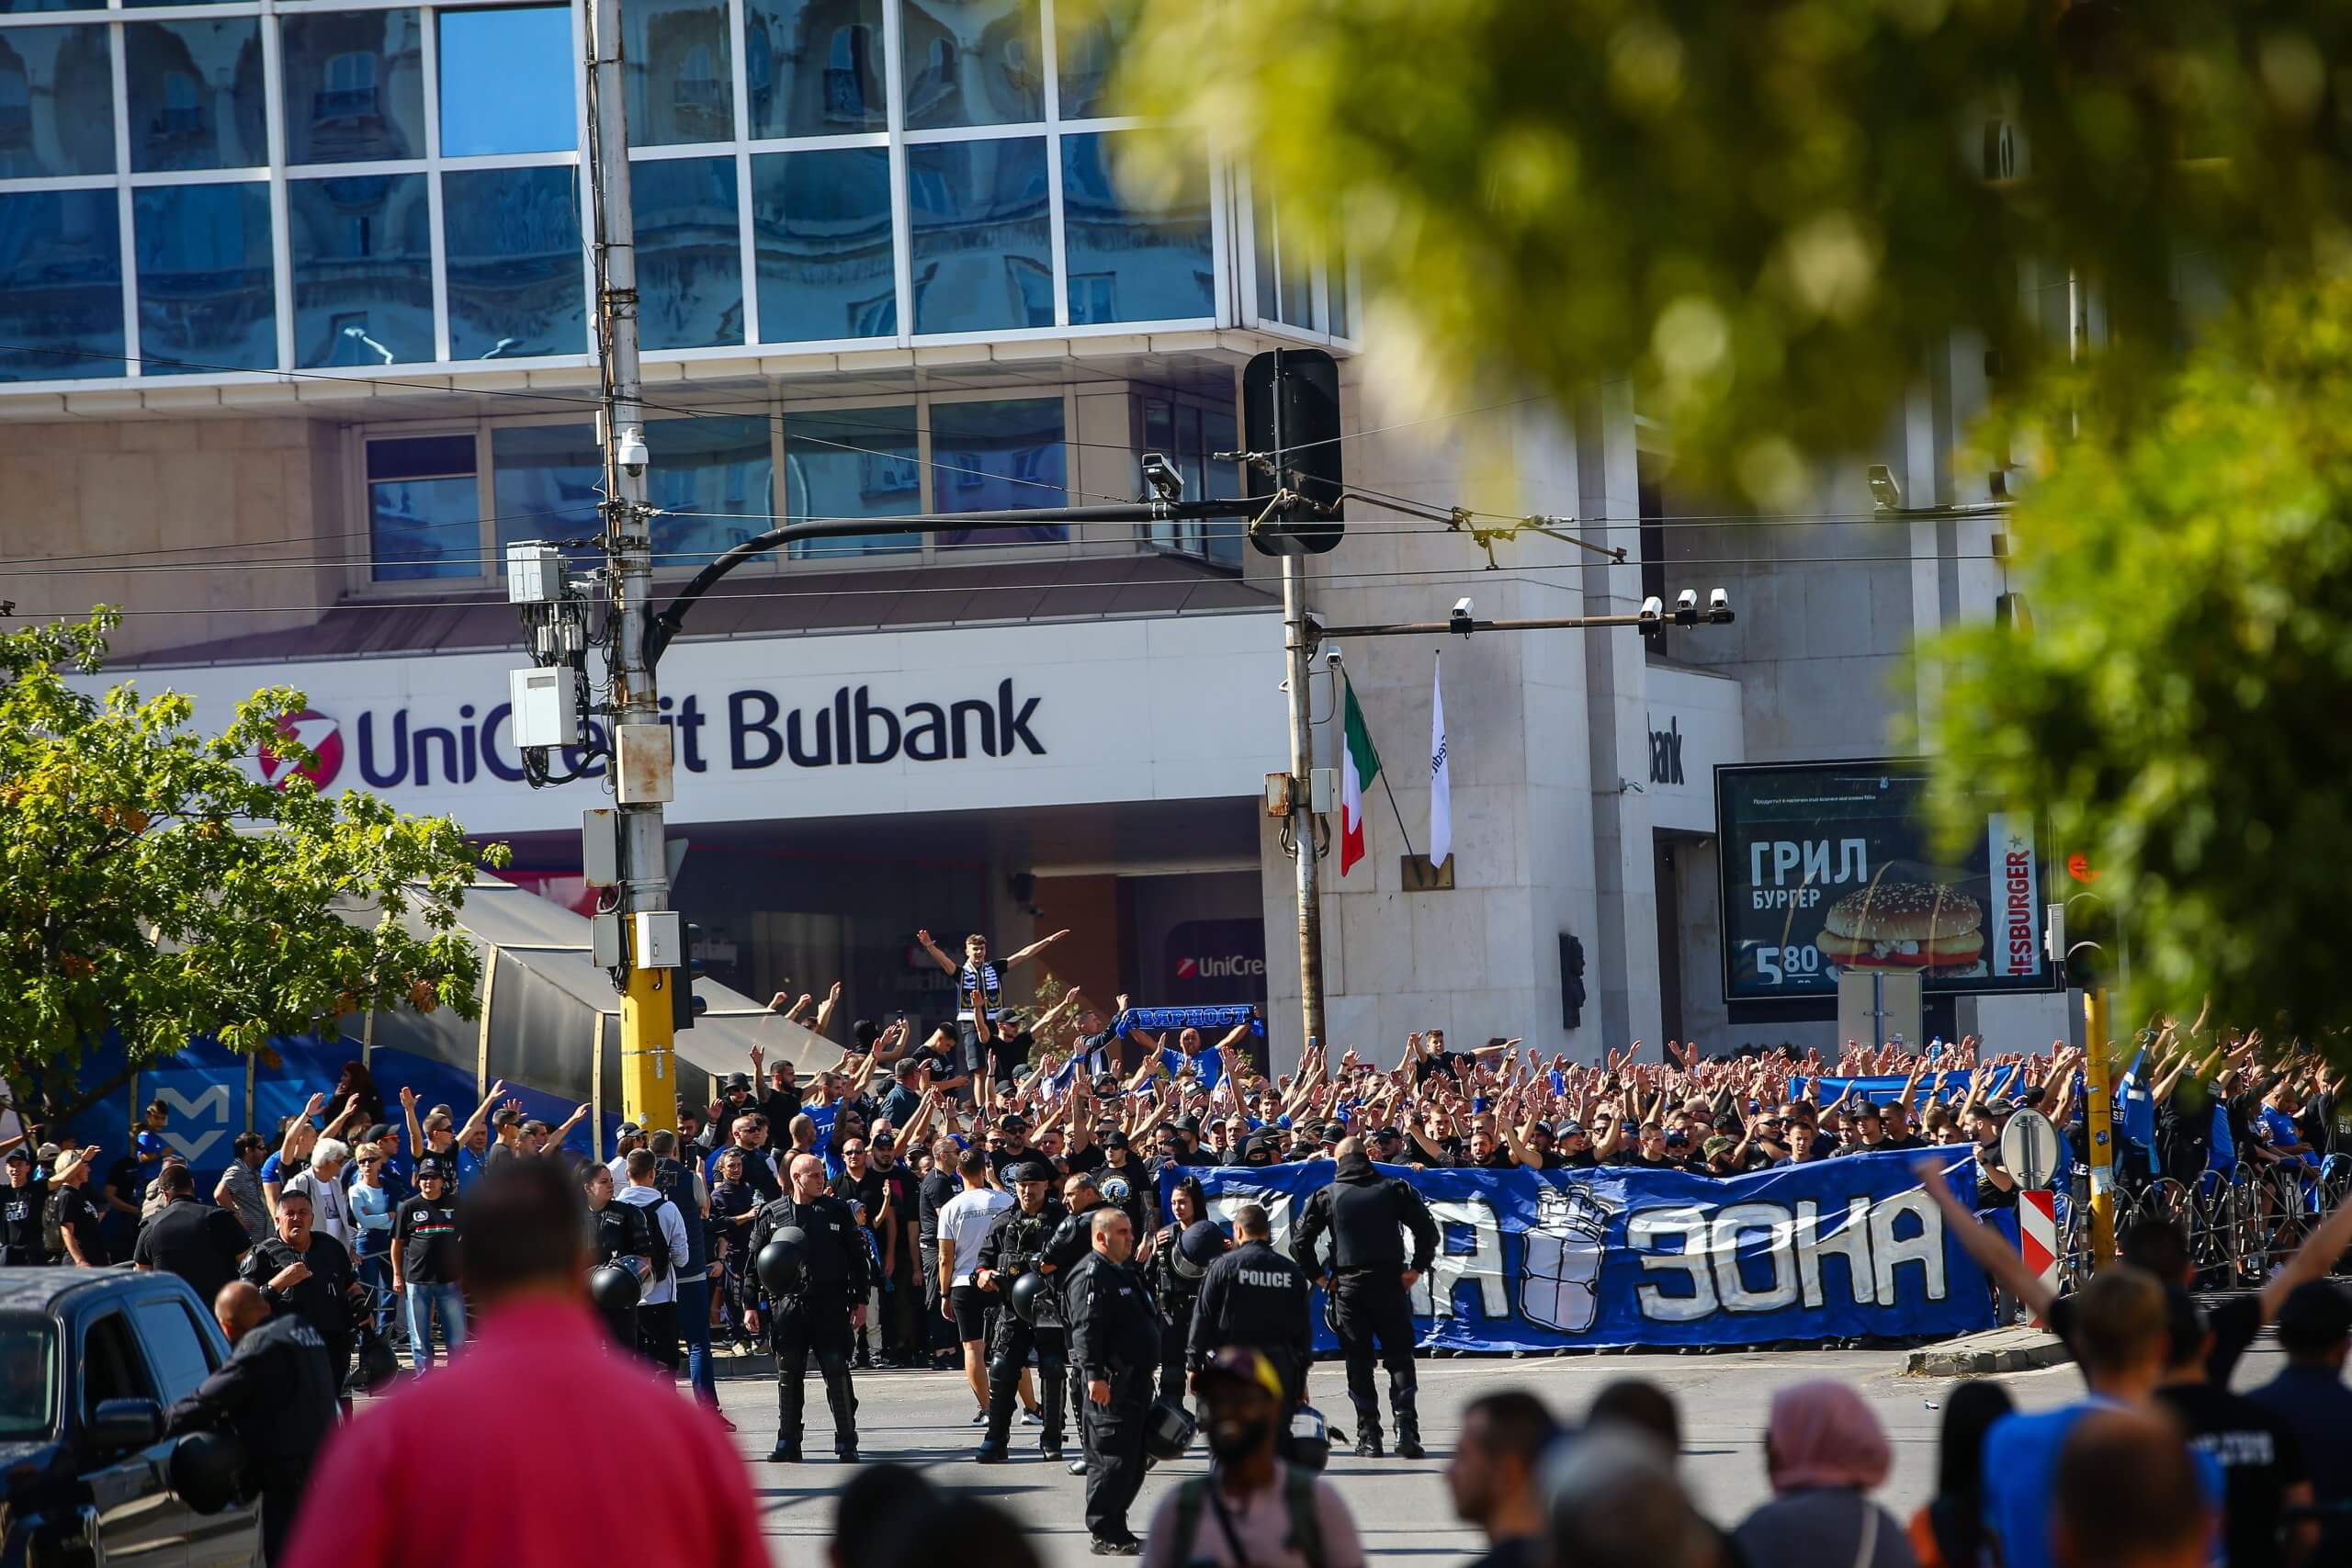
(787,1451)
(1408,1422)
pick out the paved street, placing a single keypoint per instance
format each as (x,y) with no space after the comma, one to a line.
(922,1419)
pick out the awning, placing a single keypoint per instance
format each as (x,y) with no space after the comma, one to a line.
(551,1021)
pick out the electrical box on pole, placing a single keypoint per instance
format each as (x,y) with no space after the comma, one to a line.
(1290,424)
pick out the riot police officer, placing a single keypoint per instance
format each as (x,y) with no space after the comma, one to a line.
(1174,1277)
(274,1393)
(808,1257)
(1071,1241)
(1255,1296)
(1369,1280)
(1030,1313)
(1114,1339)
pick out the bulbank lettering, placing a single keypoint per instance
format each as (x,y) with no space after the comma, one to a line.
(853,729)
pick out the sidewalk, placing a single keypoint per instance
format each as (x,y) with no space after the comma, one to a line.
(2016,1350)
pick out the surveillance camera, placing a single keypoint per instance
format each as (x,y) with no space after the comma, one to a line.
(1652,608)
(1718,606)
(1462,606)
(1460,621)
(1161,475)
(1883,490)
(631,451)
(1331,656)
(1686,607)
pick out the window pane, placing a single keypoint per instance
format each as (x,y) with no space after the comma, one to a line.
(814,67)
(506,81)
(197,98)
(972,63)
(982,241)
(422,457)
(996,456)
(29,1374)
(680,70)
(422,528)
(9,6)
(205,295)
(354,86)
(1285,283)
(175,1349)
(362,270)
(1088,52)
(852,463)
(703,466)
(546,482)
(516,286)
(56,102)
(1129,263)
(61,285)
(821,224)
(689,253)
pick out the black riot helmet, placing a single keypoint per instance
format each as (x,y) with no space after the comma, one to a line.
(1023,1297)
(783,1263)
(614,1286)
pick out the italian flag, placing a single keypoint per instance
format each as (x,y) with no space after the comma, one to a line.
(1361,766)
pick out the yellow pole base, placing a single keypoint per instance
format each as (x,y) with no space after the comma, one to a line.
(2098,1089)
(649,1065)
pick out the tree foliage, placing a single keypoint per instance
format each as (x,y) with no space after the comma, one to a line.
(150,882)
(2181,704)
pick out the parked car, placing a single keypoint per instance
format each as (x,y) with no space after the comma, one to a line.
(90,1359)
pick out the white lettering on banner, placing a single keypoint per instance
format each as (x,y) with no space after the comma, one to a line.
(1850,1240)
(1872,1256)
(209,1105)
(1787,898)
(1853,860)
(1924,1247)
(1643,1233)
(1433,1292)
(1277,1204)
(1809,860)
(1735,1219)
(1785,860)
(2017,894)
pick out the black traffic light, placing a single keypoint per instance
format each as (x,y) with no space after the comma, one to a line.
(1290,415)
(683,1003)
(2092,942)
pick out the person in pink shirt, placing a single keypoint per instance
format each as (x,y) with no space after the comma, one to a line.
(478,1463)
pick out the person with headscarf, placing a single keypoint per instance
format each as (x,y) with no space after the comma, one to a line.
(1825,1453)
(1949,1531)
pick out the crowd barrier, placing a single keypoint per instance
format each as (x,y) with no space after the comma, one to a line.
(1530,1260)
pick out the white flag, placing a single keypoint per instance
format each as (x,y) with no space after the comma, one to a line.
(1441,780)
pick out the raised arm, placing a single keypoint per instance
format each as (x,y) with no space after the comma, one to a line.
(937,957)
(1989,1246)
(826,1009)
(481,1113)
(1034,948)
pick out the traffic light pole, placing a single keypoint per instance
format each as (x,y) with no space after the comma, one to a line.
(641,742)
(1299,638)
(2099,1071)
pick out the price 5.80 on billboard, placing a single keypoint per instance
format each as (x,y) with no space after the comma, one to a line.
(1828,867)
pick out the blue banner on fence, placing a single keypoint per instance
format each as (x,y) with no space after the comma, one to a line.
(1543,1260)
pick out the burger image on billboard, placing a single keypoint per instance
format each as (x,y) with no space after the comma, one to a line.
(1926,926)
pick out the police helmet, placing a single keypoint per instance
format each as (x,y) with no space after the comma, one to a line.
(784,1260)
(1167,1432)
(206,1471)
(1202,1244)
(1310,1440)
(1115,1189)
(614,1286)
(375,1367)
(1025,1293)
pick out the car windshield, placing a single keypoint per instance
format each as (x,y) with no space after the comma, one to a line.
(27,1376)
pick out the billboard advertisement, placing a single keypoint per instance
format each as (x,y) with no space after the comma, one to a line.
(1830,867)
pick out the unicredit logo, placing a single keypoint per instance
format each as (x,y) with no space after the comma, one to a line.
(315,730)
(1231,967)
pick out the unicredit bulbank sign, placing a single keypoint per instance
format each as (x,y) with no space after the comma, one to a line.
(807,726)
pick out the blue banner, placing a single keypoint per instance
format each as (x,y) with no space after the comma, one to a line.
(1544,1260)
(1207,1020)
(1881,1089)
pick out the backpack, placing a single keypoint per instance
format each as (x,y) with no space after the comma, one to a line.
(1298,1497)
(52,1224)
(642,1227)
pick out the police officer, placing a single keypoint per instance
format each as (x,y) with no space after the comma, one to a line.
(1369,1280)
(812,1307)
(1114,1339)
(274,1393)
(1015,1245)
(1255,1296)
(1175,1278)
(1071,1241)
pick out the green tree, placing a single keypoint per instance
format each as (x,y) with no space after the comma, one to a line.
(150,883)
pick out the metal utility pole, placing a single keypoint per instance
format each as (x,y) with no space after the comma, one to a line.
(640,767)
(2099,1106)
(1298,646)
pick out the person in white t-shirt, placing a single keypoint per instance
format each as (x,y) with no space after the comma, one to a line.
(964,1221)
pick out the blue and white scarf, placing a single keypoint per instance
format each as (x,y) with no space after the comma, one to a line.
(978,977)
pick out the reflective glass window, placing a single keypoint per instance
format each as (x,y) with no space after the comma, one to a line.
(196,96)
(981,235)
(680,71)
(205,295)
(545,482)
(9,6)
(852,463)
(1285,283)
(362,270)
(994,457)
(821,226)
(61,285)
(1088,50)
(507,79)
(689,251)
(814,67)
(56,102)
(972,63)
(714,476)
(423,510)
(354,85)
(516,285)
(175,1348)
(1127,262)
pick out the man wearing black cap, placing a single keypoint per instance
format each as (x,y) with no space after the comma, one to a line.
(1015,1245)
(811,1309)
(22,1241)
(425,1264)
(1252,1506)
(1007,1146)
(749,1133)
(628,1138)
(1369,1282)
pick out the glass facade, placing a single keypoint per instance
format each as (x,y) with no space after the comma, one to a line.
(796,184)
(61,285)
(999,457)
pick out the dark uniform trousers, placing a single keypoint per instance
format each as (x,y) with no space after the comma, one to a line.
(1178,1309)
(1008,1355)
(1115,1455)
(799,1329)
(1370,1308)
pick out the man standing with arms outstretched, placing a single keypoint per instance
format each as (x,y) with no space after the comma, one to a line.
(980,990)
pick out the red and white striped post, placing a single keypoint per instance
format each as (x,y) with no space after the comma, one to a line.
(2038,1236)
